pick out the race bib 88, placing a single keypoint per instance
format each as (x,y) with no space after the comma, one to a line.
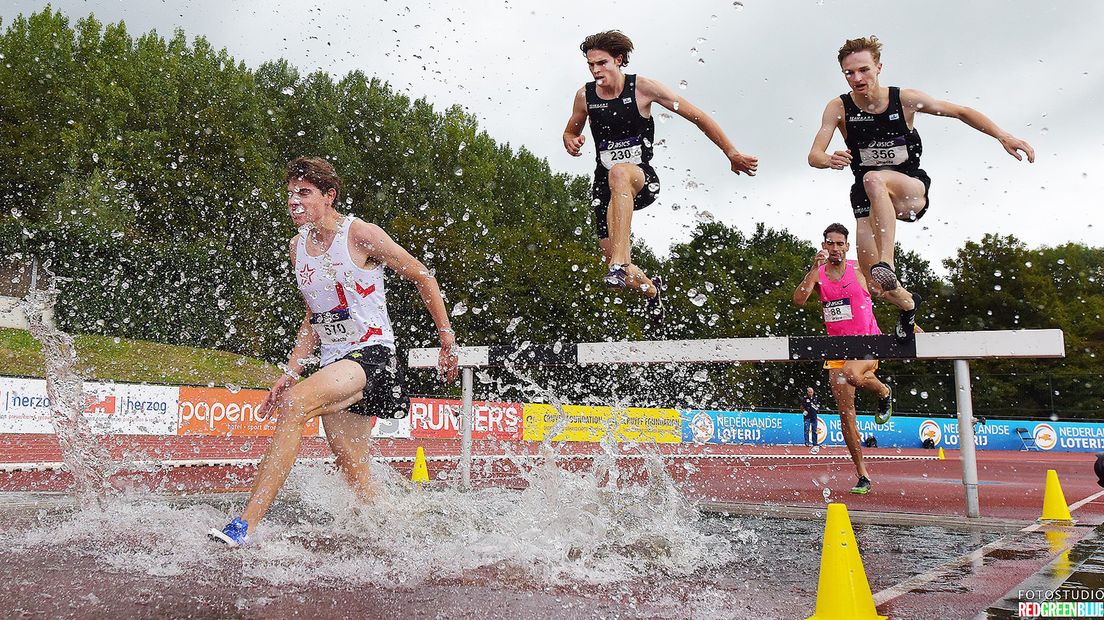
(837,310)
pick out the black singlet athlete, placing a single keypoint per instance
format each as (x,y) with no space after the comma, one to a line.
(621,135)
(882,142)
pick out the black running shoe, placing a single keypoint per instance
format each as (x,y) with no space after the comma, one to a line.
(616,277)
(655,304)
(906,321)
(863,487)
(884,275)
(885,408)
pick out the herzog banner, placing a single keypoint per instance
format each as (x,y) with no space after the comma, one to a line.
(109,408)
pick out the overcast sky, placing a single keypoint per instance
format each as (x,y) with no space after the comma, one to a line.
(764,69)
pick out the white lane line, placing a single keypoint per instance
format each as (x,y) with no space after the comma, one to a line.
(922,579)
(1088,499)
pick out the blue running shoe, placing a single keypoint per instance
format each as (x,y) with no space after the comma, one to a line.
(616,277)
(234,534)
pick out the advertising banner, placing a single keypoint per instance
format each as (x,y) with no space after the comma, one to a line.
(218,411)
(769,428)
(740,427)
(586,423)
(432,418)
(115,408)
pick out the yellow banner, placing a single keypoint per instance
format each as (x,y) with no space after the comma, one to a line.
(583,423)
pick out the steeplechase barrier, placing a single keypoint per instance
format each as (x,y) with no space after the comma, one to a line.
(958,347)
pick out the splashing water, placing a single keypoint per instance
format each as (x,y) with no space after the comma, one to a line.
(85,458)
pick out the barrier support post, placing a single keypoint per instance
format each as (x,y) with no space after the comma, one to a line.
(467,388)
(966,437)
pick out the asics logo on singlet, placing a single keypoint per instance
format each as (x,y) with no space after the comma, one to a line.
(619,144)
(881,144)
(859,119)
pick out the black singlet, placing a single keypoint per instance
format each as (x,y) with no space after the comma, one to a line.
(621,134)
(881,141)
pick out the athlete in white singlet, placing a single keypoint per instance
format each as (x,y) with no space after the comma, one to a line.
(339,264)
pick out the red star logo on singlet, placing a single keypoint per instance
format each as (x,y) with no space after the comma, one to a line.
(305,274)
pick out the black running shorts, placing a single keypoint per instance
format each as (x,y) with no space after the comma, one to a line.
(860,202)
(383,384)
(600,196)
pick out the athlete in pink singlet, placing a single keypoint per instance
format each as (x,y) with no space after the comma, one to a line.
(848,311)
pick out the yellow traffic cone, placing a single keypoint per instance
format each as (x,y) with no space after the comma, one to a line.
(420,473)
(843,592)
(941,455)
(1055,507)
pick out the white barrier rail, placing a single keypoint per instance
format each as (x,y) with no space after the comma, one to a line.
(956,346)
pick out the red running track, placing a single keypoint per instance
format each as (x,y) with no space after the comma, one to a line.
(905,481)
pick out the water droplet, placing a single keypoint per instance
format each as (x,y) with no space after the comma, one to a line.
(289,91)
(739,6)
(682,84)
(458,172)
(996,287)
(459,309)
(514,322)
(234,388)
(826,493)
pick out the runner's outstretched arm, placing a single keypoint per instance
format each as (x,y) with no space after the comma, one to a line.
(922,102)
(383,249)
(664,96)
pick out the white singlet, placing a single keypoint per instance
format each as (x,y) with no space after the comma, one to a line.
(348,303)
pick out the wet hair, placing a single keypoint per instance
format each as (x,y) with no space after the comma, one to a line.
(870,44)
(613,42)
(835,228)
(316,171)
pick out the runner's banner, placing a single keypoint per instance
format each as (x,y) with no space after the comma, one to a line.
(587,423)
(434,418)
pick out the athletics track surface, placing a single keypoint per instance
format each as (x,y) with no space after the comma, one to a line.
(910,487)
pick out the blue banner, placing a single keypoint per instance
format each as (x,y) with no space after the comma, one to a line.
(775,428)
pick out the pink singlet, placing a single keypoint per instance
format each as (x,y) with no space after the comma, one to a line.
(848,309)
